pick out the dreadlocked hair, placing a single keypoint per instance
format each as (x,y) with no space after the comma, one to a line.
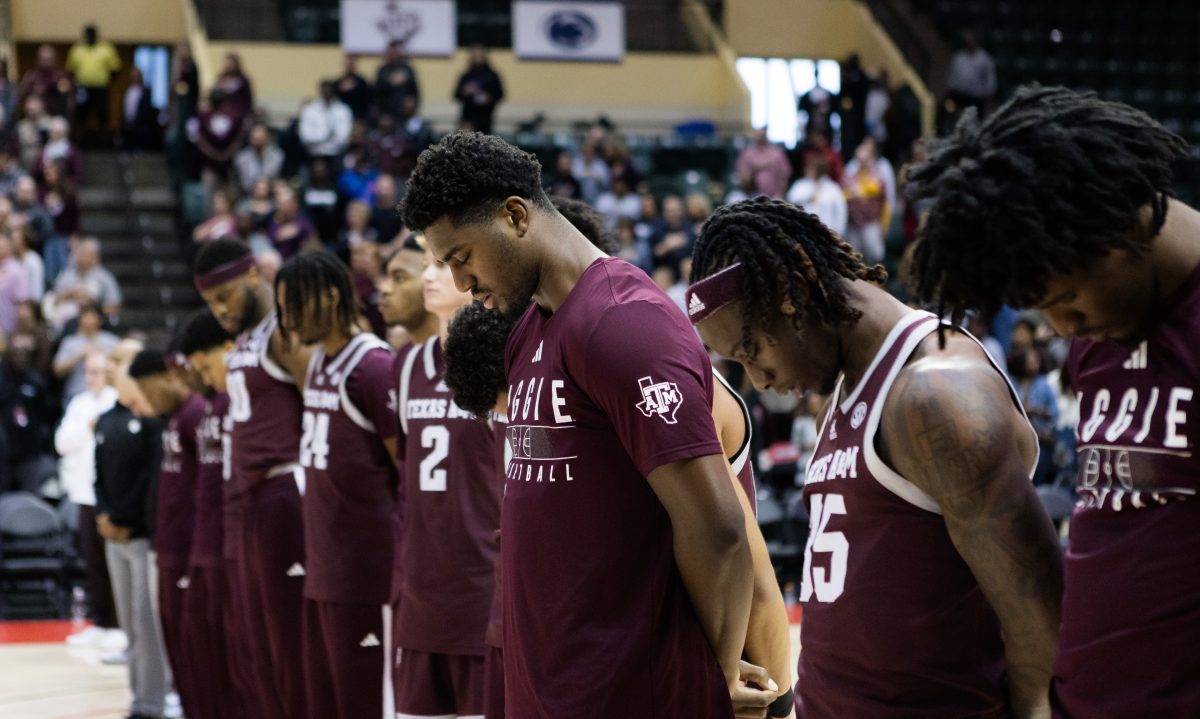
(787,255)
(1050,182)
(313,275)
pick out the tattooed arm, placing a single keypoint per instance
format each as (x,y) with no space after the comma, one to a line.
(950,427)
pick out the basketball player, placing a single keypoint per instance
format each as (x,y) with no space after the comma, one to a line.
(1067,202)
(932,574)
(452,512)
(169,395)
(215,659)
(267,533)
(400,293)
(627,576)
(347,452)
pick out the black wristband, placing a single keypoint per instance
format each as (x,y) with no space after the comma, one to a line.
(782,706)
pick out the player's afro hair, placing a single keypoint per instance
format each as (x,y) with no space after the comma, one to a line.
(1048,183)
(219,252)
(465,177)
(148,362)
(474,357)
(202,333)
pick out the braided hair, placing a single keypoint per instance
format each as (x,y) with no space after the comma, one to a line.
(313,274)
(787,256)
(1050,182)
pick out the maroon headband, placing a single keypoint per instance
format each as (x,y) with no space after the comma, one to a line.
(223,273)
(714,292)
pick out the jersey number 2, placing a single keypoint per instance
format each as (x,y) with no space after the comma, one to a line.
(314,443)
(436,439)
(829,584)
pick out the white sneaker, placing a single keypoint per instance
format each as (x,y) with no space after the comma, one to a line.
(117,658)
(114,641)
(90,637)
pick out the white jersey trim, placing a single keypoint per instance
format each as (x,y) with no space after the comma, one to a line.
(430,365)
(738,459)
(367,343)
(905,322)
(405,382)
(267,327)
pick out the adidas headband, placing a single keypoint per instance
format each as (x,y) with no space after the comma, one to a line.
(714,292)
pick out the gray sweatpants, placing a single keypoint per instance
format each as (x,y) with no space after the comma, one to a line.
(130,568)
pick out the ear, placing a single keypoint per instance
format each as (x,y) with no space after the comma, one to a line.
(516,212)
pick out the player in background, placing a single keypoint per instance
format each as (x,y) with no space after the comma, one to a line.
(400,293)
(216,659)
(347,451)
(268,481)
(618,512)
(1068,206)
(164,388)
(932,574)
(452,512)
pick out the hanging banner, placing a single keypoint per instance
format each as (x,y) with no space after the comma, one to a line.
(426,27)
(549,30)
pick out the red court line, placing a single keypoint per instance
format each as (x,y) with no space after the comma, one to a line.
(34,632)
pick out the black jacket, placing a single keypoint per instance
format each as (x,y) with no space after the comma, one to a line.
(128,459)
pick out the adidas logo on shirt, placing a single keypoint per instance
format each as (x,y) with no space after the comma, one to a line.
(537,356)
(369,641)
(695,306)
(1139,357)
(296,570)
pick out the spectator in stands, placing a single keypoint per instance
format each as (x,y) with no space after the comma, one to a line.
(978,326)
(395,81)
(93,62)
(218,137)
(139,117)
(357,229)
(259,205)
(561,182)
(366,270)
(385,146)
(817,145)
(633,249)
(818,106)
(222,222)
(84,282)
(49,83)
(325,125)
(321,202)
(59,149)
(620,164)
(23,241)
(1025,366)
(10,172)
(59,202)
(648,221)
(260,159)
(618,203)
(14,285)
(698,208)
(479,90)
(674,239)
(879,101)
(385,217)
(75,442)
(852,101)
(8,101)
(234,86)
(289,231)
(766,164)
(183,157)
(357,178)
(868,152)
(971,80)
(866,205)
(31,324)
(817,193)
(415,135)
(913,211)
(353,89)
(269,261)
(25,418)
(32,130)
(589,169)
(89,337)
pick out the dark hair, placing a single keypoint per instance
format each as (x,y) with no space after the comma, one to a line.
(474,356)
(1050,182)
(148,362)
(787,254)
(587,220)
(219,252)
(93,308)
(465,176)
(312,275)
(201,333)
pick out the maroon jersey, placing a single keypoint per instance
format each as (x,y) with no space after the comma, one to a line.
(597,622)
(177,485)
(207,535)
(1129,644)
(452,510)
(264,406)
(233,501)
(351,477)
(739,457)
(895,624)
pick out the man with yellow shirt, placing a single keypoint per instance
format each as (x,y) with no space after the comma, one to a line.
(93,63)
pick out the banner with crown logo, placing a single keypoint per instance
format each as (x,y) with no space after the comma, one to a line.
(426,27)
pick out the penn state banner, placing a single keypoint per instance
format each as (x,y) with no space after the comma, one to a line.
(426,27)
(552,30)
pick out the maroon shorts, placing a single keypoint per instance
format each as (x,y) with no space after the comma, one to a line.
(348,660)
(438,685)
(493,683)
(210,659)
(173,583)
